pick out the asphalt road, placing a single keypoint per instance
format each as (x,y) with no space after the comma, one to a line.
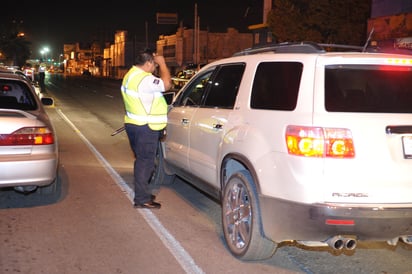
(91,226)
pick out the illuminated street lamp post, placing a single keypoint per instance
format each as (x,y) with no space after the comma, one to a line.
(44,52)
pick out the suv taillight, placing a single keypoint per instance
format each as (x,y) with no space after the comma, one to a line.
(28,136)
(320,142)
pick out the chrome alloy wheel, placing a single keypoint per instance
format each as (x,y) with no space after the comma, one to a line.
(237,217)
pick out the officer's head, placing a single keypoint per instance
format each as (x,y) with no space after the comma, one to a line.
(145,60)
(146,55)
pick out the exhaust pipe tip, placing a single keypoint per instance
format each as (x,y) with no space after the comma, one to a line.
(25,189)
(350,244)
(339,242)
(336,242)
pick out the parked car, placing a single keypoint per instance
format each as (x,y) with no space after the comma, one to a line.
(28,143)
(34,83)
(181,78)
(29,72)
(298,144)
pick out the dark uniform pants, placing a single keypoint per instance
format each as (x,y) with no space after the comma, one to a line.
(144,143)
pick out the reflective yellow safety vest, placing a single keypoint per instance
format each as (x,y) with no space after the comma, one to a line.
(136,114)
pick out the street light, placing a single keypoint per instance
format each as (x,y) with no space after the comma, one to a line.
(44,52)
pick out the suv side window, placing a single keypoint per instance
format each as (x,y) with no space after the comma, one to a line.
(276,85)
(193,94)
(224,86)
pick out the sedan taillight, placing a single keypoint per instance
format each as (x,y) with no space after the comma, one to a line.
(28,136)
(320,142)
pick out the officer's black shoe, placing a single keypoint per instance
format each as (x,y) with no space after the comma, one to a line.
(148,205)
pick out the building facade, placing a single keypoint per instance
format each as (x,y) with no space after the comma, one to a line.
(391,23)
(78,59)
(190,47)
(186,47)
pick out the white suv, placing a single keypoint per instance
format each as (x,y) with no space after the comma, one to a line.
(299,144)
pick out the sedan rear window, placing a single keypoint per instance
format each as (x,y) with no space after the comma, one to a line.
(368,88)
(16,95)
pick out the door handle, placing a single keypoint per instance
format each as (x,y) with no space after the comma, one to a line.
(217,126)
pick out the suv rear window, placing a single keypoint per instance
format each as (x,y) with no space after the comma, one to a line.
(276,85)
(368,88)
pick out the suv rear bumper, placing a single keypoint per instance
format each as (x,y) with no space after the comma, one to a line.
(284,220)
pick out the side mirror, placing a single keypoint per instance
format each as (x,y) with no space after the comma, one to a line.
(169,97)
(47,101)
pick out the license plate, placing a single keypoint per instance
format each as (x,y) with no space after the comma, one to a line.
(407,147)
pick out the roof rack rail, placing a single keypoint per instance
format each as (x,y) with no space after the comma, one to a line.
(295,47)
(340,46)
(287,47)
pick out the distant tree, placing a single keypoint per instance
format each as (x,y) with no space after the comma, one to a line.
(322,21)
(14,47)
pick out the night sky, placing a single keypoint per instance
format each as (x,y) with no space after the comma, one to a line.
(66,22)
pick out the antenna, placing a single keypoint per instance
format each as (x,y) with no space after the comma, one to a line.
(368,40)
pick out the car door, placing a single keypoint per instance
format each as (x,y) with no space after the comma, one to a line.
(180,118)
(209,123)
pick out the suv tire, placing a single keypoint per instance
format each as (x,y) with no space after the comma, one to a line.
(159,176)
(241,222)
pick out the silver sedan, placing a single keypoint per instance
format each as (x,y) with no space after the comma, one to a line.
(28,143)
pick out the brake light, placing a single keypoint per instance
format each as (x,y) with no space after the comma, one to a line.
(339,222)
(28,136)
(399,61)
(319,142)
(5,88)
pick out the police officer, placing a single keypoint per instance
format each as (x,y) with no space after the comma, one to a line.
(145,119)
(42,75)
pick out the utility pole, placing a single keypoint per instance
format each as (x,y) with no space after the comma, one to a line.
(267,6)
(147,34)
(198,41)
(195,36)
(261,34)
